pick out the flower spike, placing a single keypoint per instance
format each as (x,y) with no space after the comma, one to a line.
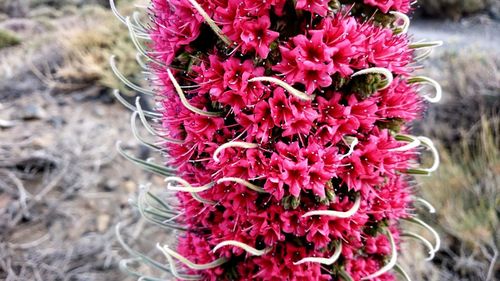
(298,94)
(378,70)
(239,144)
(392,261)
(327,261)
(248,249)
(428,81)
(336,214)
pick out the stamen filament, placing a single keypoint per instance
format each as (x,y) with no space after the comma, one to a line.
(240,144)
(430,229)
(243,246)
(242,182)
(424,241)
(378,70)
(211,23)
(402,29)
(414,142)
(429,44)
(352,143)
(173,268)
(428,81)
(190,264)
(336,214)
(116,93)
(327,261)
(119,75)
(298,94)
(184,100)
(187,187)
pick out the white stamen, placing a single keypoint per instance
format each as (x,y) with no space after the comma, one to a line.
(378,70)
(187,187)
(336,214)
(428,81)
(284,85)
(424,241)
(173,268)
(414,143)
(242,182)
(431,230)
(422,45)
(426,203)
(112,63)
(428,142)
(240,144)
(401,271)
(327,261)
(192,265)
(185,101)
(352,143)
(402,29)
(211,23)
(243,246)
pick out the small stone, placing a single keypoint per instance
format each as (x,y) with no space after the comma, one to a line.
(103,222)
(30,112)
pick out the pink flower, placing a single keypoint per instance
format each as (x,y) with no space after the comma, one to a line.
(257,36)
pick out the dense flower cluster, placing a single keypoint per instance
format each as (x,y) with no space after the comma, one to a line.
(282,146)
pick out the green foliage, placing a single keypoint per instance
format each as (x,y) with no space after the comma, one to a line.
(8,39)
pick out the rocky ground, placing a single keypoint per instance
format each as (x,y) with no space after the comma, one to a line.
(64,188)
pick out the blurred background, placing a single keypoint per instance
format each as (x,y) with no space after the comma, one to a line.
(63,188)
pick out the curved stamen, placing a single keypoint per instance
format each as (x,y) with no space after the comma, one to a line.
(390,264)
(119,75)
(190,264)
(378,70)
(430,229)
(425,54)
(345,275)
(414,142)
(173,268)
(424,241)
(428,81)
(198,198)
(211,23)
(242,182)
(428,142)
(401,271)
(137,44)
(116,93)
(243,246)
(135,132)
(422,45)
(352,143)
(327,261)
(117,14)
(336,214)
(148,127)
(184,100)
(141,63)
(146,165)
(401,29)
(187,187)
(298,94)
(240,144)
(426,203)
